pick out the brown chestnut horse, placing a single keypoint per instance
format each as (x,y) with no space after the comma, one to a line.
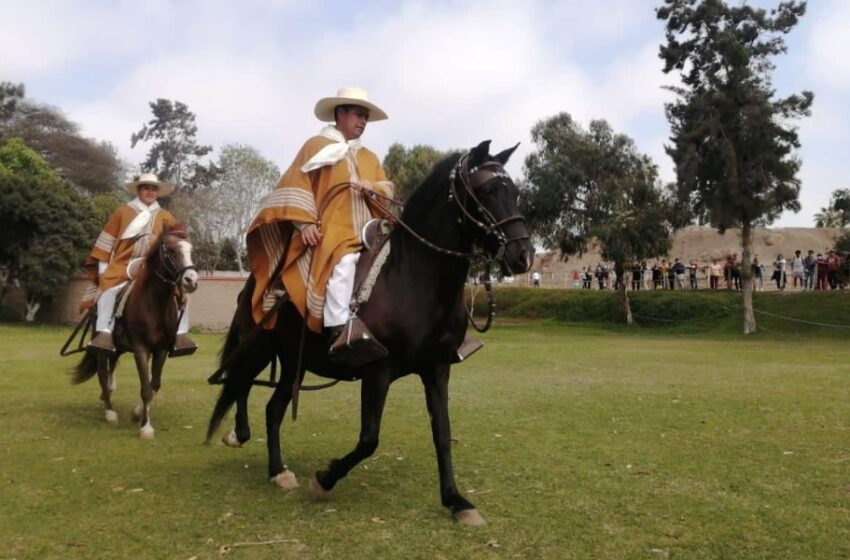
(416,310)
(148,324)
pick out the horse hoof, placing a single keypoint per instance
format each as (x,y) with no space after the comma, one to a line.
(470,517)
(146,433)
(230,440)
(285,480)
(111,417)
(317,493)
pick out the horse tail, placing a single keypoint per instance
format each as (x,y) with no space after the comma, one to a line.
(238,379)
(86,369)
(228,394)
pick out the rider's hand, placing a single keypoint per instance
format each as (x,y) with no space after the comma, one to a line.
(363,185)
(311,235)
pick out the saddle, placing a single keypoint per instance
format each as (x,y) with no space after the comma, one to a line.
(357,346)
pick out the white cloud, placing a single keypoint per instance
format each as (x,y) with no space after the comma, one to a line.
(829,44)
(449,74)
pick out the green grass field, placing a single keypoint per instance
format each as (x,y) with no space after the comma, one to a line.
(574,442)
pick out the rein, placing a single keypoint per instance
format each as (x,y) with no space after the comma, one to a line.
(471,179)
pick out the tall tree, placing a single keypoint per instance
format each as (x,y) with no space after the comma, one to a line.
(593,184)
(10,95)
(88,164)
(407,167)
(732,142)
(48,226)
(175,154)
(837,214)
(225,208)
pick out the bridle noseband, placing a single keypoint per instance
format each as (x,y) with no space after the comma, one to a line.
(171,268)
(473,179)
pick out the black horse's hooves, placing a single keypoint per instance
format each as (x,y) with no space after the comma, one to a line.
(470,517)
(317,491)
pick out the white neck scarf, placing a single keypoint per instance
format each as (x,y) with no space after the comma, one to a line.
(142,218)
(334,152)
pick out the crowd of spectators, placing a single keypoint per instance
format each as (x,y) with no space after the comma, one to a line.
(821,271)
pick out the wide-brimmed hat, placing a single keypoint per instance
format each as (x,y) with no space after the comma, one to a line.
(347,96)
(165,189)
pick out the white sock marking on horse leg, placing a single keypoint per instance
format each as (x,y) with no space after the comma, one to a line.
(147,432)
(230,440)
(111,417)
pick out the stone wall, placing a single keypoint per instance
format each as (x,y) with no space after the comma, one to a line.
(211,307)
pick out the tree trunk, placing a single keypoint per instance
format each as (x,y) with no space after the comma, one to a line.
(33,305)
(747,278)
(238,247)
(624,277)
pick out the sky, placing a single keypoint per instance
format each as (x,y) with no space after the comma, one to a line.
(449,73)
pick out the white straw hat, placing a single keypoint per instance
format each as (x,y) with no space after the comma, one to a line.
(348,96)
(165,189)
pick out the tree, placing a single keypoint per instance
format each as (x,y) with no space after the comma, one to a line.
(593,184)
(10,95)
(88,164)
(48,225)
(175,154)
(407,167)
(732,141)
(226,207)
(837,214)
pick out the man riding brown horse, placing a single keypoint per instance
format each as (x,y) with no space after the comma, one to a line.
(118,253)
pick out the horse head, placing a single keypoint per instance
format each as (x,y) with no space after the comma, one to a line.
(175,254)
(487,196)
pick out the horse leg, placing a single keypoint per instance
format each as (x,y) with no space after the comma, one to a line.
(142,411)
(373,396)
(436,385)
(254,365)
(105,375)
(241,432)
(279,473)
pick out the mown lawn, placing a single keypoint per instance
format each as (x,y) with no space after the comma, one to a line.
(574,442)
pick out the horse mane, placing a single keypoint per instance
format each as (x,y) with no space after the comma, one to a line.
(177,229)
(432,186)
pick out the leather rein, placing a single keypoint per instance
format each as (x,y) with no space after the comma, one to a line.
(470,179)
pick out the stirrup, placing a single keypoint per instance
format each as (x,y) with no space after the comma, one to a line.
(183,346)
(468,347)
(356,346)
(102,343)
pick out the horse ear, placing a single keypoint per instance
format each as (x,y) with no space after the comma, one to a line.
(479,153)
(502,157)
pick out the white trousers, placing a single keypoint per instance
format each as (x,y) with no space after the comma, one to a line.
(106,307)
(338,294)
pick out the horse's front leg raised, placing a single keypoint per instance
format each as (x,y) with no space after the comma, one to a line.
(436,384)
(373,396)
(146,392)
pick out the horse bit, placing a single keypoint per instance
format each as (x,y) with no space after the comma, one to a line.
(471,179)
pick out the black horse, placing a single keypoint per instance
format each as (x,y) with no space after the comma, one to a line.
(416,309)
(148,325)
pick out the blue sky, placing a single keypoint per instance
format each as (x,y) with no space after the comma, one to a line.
(449,73)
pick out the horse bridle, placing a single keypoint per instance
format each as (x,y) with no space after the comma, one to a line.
(171,267)
(473,179)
